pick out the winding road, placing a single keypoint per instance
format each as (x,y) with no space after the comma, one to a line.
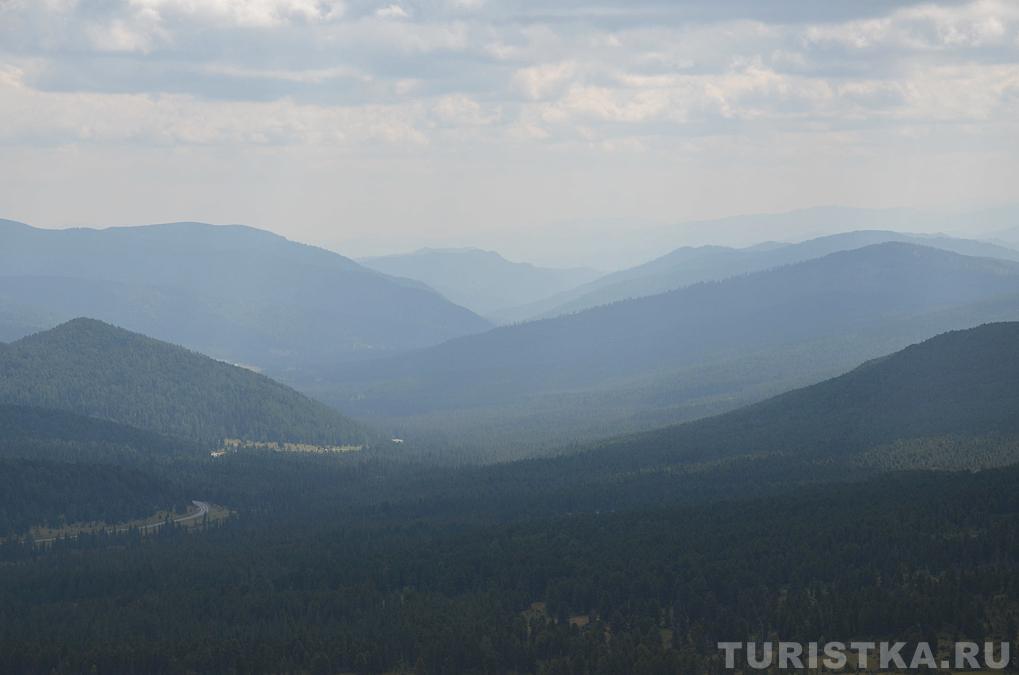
(203,509)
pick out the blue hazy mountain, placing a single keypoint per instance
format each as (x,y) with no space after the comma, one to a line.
(482,281)
(233,292)
(689,265)
(681,354)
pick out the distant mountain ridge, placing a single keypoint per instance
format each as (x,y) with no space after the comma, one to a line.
(702,346)
(690,265)
(234,292)
(480,280)
(92,368)
(611,243)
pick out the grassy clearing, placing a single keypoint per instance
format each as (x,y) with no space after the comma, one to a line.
(236,444)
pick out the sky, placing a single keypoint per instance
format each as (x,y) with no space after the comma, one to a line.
(374,127)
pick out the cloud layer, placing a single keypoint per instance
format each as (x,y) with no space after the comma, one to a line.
(435,80)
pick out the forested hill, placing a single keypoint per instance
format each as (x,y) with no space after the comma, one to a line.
(95,369)
(957,392)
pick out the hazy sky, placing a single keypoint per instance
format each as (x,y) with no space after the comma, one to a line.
(381,126)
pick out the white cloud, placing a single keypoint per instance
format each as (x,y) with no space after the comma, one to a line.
(392,12)
(967,26)
(27,115)
(445,80)
(538,78)
(141,33)
(459,110)
(304,76)
(259,13)
(541,81)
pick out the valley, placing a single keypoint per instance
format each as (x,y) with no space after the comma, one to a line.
(502,337)
(627,470)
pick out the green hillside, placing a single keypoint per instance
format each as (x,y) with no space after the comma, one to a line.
(95,369)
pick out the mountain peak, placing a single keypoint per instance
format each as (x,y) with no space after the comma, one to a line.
(84,323)
(84,331)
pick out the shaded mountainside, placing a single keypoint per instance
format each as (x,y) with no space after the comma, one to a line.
(71,436)
(949,403)
(963,384)
(238,293)
(806,316)
(57,467)
(691,265)
(95,369)
(482,281)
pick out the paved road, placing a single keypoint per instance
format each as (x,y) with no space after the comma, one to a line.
(203,508)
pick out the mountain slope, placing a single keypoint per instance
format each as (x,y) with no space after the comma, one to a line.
(949,403)
(58,467)
(19,423)
(234,292)
(482,281)
(959,384)
(690,265)
(702,347)
(95,369)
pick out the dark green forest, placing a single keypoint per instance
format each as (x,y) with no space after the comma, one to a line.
(633,555)
(58,493)
(910,556)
